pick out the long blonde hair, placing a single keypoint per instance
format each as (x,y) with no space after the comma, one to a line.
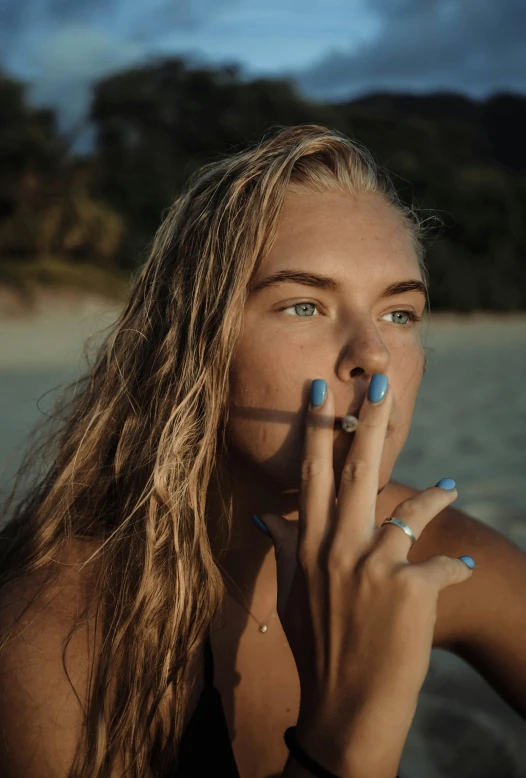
(134,456)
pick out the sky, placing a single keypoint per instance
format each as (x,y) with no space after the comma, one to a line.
(331,49)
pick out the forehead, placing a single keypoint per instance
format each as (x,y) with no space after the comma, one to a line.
(351,232)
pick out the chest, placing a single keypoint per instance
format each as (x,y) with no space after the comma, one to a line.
(256,676)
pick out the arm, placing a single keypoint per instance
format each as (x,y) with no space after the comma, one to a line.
(483,620)
(294,770)
(351,752)
(356,760)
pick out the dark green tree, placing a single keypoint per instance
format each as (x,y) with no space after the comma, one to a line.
(158,123)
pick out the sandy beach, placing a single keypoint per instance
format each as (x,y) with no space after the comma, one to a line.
(469,424)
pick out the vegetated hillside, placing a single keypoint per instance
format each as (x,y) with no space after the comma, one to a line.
(93,218)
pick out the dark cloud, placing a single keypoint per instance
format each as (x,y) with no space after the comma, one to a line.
(139,21)
(471,45)
(61,47)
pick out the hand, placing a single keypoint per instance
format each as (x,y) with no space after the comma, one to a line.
(358,616)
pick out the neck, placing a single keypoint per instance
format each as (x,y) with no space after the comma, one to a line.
(247,561)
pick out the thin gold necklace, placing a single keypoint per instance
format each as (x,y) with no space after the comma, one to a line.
(263,627)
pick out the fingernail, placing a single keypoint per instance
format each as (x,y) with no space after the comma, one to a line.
(318,390)
(257,521)
(377,388)
(468,561)
(446,483)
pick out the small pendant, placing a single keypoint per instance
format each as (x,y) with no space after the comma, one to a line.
(263,628)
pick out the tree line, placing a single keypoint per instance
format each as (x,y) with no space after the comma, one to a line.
(89,218)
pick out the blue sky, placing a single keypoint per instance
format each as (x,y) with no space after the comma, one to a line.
(331,49)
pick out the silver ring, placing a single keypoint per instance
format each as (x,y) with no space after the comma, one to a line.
(407,529)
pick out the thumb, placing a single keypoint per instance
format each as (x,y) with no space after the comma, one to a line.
(284,536)
(445,571)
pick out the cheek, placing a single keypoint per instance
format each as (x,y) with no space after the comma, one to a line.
(408,383)
(263,381)
(266,410)
(268,399)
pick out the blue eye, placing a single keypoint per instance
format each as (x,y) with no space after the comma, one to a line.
(405,313)
(411,316)
(303,307)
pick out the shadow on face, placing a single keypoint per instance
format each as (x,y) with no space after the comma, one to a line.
(338,297)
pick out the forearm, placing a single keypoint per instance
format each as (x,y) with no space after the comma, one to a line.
(500,663)
(295,770)
(369,745)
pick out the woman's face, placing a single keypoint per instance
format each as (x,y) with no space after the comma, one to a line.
(342,330)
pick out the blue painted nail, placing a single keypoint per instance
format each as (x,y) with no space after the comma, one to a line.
(446,483)
(318,390)
(377,388)
(257,521)
(468,561)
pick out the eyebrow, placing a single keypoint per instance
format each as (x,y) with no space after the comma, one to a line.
(331,285)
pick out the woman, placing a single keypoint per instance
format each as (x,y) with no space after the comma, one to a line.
(290,261)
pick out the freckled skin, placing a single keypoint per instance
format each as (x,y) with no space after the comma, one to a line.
(345,337)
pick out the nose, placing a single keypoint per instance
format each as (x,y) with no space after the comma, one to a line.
(363,352)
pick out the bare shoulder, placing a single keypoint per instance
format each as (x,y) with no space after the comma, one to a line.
(45,683)
(71,585)
(41,708)
(472,610)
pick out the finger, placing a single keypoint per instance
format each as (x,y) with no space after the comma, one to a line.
(355,524)
(317,490)
(417,512)
(441,571)
(284,536)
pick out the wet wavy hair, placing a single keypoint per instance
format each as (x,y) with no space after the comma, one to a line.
(132,460)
